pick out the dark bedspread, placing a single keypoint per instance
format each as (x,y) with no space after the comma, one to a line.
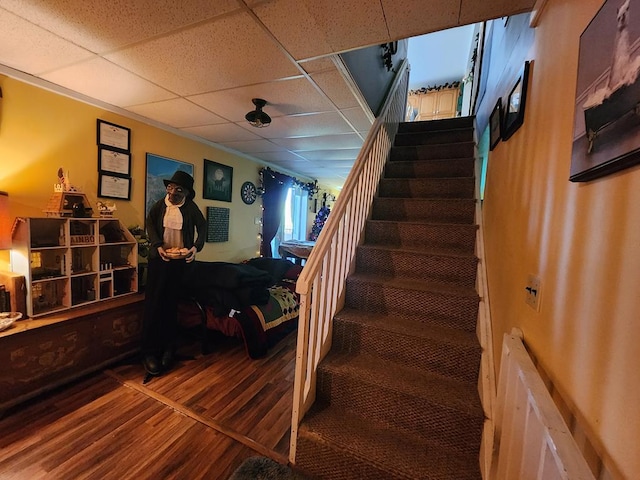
(226,286)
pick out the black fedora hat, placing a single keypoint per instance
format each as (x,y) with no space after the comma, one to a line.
(184,180)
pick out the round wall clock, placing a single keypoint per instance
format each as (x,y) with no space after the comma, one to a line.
(248,193)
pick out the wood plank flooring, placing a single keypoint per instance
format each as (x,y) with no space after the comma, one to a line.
(200,420)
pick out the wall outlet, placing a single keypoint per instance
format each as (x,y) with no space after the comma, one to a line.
(532,292)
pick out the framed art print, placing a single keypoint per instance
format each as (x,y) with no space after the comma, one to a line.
(606,134)
(114,161)
(114,186)
(160,169)
(218,179)
(114,136)
(495,125)
(513,113)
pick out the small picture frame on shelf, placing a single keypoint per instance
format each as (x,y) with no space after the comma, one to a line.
(495,125)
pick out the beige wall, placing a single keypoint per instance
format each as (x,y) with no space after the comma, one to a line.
(41,131)
(582,240)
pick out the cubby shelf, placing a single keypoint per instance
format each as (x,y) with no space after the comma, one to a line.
(69,262)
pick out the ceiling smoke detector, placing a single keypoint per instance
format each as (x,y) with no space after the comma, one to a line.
(257,117)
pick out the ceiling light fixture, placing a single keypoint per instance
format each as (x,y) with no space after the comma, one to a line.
(257,117)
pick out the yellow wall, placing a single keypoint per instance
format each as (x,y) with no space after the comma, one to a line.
(41,131)
(581,239)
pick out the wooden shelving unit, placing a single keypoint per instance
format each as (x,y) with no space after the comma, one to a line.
(68,262)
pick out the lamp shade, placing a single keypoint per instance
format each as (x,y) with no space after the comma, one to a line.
(5,222)
(257,117)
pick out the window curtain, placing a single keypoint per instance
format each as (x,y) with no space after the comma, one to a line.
(275,187)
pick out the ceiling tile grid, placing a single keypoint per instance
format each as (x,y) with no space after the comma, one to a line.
(195,65)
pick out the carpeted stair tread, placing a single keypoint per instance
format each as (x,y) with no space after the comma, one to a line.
(452,135)
(436,125)
(433,168)
(434,151)
(422,251)
(334,433)
(408,325)
(411,341)
(457,210)
(407,262)
(421,233)
(452,187)
(449,393)
(414,285)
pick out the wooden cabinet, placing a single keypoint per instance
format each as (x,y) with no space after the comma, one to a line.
(435,104)
(37,355)
(68,262)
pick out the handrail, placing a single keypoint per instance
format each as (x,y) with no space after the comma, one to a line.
(322,281)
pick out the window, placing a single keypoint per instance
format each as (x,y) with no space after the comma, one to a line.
(294,219)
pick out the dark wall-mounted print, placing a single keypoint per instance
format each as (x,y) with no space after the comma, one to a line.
(158,169)
(114,136)
(495,125)
(513,114)
(606,137)
(218,179)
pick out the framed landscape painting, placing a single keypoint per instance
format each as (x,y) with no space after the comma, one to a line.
(158,169)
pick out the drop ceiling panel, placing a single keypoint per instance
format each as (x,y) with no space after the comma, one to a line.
(226,132)
(280,157)
(472,11)
(31,49)
(253,146)
(309,125)
(177,112)
(318,143)
(330,155)
(98,78)
(102,26)
(196,64)
(283,97)
(408,18)
(302,38)
(230,51)
(334,86)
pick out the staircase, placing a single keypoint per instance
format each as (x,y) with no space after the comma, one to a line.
(397,394)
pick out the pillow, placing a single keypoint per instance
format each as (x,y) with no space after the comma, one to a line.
(276,267)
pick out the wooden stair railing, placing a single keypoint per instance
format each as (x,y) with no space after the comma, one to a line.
(322,281)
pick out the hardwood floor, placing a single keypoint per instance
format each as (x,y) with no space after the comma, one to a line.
(200,420)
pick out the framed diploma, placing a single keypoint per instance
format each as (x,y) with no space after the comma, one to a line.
(114,136)
(114,186)
(113,161)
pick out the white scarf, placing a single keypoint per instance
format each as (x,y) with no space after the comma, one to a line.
(172,216)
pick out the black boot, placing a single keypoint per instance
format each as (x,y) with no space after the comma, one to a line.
(167,358)
(151,364)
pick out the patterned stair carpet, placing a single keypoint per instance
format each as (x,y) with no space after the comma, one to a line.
(397,394)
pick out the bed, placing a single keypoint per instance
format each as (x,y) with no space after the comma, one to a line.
(254,301)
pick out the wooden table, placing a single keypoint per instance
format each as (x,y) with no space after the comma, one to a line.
(298,250)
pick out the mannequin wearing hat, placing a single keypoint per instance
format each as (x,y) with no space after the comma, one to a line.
(174,223)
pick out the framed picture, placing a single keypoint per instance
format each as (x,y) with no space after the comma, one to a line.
(114,186)
(495,125)
(606,135)
(514,110)
(114,136)
(218,180)
(160,169)
(113,161)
